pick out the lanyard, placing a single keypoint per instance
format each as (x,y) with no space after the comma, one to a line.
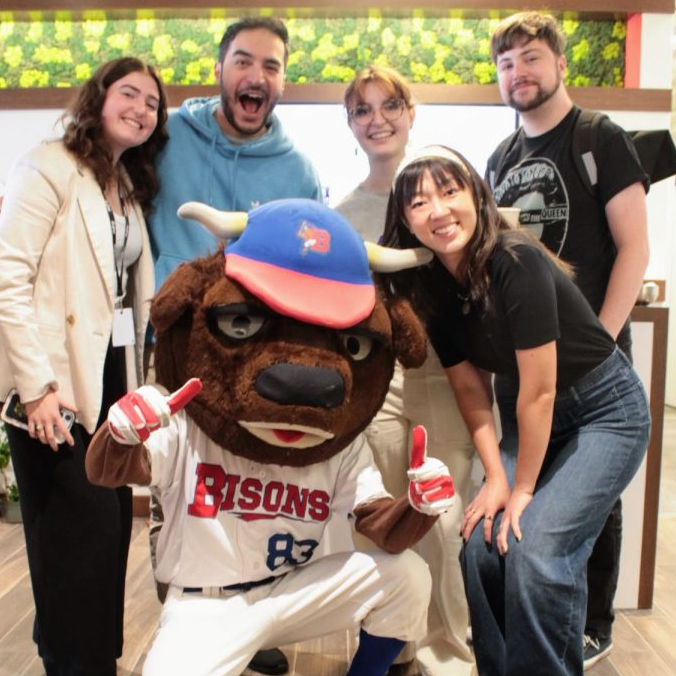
(119,266)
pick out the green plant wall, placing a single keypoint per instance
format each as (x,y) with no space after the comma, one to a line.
(64,52)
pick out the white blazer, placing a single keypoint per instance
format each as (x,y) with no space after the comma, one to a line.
(56,271)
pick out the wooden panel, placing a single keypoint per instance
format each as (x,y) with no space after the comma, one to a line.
(604,98)
(599,6)
(659,316)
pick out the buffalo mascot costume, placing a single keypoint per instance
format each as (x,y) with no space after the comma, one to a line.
(279,353)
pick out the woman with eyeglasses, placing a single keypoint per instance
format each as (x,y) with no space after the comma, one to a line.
(380,113)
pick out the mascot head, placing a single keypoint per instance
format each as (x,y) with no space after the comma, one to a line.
(294,348)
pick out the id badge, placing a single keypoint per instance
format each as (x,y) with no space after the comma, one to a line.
(123,327)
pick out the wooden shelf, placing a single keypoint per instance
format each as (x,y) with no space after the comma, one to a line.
(321,7)
(604,98)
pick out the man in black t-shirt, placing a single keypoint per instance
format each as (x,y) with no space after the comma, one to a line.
(604,235)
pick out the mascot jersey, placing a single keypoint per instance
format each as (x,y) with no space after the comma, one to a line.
(230,520)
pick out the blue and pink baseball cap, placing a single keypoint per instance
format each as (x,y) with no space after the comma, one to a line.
(304,261)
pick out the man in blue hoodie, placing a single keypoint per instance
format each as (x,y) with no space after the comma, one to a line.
(230,152)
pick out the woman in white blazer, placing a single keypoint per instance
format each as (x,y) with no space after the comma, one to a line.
(76,281)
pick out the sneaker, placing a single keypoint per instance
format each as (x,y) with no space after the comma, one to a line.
(595,649)
(271,661)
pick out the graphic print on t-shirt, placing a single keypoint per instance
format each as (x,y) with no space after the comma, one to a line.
(535,186)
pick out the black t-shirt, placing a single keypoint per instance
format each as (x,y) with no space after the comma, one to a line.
(531,303)
(538,175)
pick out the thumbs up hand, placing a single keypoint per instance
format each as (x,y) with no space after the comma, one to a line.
(431,490)
(138,413)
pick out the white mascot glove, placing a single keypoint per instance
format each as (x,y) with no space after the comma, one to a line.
(431,490)
(137,414)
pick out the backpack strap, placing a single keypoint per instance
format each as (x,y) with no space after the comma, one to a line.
(498,157)
(585,137)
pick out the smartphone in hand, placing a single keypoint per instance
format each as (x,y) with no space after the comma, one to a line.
(14,413)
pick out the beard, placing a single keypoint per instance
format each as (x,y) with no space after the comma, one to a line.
(541,96)
(248,130)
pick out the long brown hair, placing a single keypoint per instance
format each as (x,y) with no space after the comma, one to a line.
(84,138)
(420,284)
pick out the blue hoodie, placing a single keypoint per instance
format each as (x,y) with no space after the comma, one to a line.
(200,163)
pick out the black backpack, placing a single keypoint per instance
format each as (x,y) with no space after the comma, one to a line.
(655,149)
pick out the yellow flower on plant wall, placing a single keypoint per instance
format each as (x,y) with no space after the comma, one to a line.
(216,28)
(388,38)
(619,30)
(6,29)
(484,48)
(190,47)
(437,72)
(340,73)
(404,45)
(167,75)
(92,46)
(295,57)
(163,50)
(93,29)
(350,41)
(34,78)
(569,26)
(428,39)
(300,30)
(418,71)
(441,52)
(484,72)
(83,71)
(452,78)
(34,32)
(325,50)
(145,27)
(611,51)
(381,60)
(63,30)
(464,37)
(13,56)
(580,51)
(119,41)
(201,70)
(44,54)
(3,83)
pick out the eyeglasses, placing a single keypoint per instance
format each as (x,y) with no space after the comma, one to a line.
(391,110)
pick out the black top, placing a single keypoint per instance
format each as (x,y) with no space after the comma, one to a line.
(538,175)
(531,302)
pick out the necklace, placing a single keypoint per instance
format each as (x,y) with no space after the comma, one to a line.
(466,303)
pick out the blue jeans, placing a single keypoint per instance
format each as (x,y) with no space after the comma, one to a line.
(528,608)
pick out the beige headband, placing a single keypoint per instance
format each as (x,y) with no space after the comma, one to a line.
(429,153)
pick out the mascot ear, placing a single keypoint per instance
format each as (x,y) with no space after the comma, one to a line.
(175,297)
(408,335)
(183,289)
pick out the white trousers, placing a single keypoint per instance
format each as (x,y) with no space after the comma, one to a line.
(216,633)
(424,396)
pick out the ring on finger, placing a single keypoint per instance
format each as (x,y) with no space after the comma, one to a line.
(39,428)
(489,517)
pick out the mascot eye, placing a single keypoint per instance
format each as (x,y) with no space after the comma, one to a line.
(240,326)
(359,347)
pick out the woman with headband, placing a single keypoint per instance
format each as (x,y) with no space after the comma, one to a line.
(497,302)
(380,113)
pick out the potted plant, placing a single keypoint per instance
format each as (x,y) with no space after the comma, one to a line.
(9,492)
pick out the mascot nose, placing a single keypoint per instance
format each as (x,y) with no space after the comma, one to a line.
(300,385)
